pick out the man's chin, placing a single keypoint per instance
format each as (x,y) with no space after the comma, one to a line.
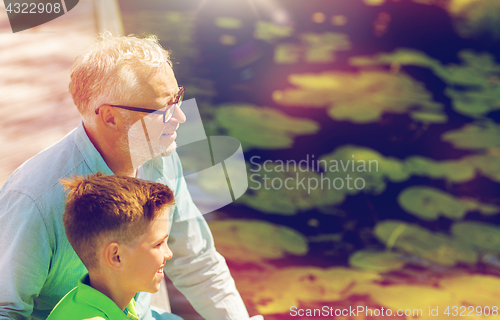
(170,150)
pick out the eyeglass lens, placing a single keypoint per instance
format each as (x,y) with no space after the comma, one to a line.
(170,112)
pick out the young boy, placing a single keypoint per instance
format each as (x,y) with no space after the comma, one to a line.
(118,226)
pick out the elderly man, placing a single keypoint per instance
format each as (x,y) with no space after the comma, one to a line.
(129,99)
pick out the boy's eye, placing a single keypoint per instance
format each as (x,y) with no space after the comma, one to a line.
(159,244)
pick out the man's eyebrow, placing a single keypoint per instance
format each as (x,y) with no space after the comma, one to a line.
(170,101)
(172,97)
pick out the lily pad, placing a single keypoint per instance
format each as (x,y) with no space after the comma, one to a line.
(461,170)
(350,170)
(262,128)
(399,57)
(485,237)
(287,191)
(363,97)
(429,117)
(228,23)
(246,241)
(276,291)
(436,248)
(473,18)
(374,2)
(376,261)
(430,203)
(270,32)
(488,165)
(474,289)
(365,167)
(474,136)
(312,48)
(320,48)
(396,170)
(287,53)
(450,170)
(473,86)
(416,300)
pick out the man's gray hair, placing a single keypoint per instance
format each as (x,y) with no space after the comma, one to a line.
(108,72)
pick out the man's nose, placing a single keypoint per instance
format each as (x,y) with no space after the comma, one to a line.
(178,115)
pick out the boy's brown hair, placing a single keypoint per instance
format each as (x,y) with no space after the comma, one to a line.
(115,208)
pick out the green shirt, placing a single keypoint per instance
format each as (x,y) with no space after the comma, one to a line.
(85,302)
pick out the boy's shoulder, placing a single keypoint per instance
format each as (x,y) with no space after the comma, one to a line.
(72,308)
(86,303)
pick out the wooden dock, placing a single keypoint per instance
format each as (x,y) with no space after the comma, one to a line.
(36,109)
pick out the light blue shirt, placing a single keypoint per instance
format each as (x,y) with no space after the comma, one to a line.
(38,265)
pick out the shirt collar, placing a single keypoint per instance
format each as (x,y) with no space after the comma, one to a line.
(86,294)
(131,311)
(89,153)
(151,170)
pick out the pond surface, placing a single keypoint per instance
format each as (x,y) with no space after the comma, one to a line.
(382,115)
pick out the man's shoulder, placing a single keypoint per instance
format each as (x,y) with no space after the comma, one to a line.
(42,172)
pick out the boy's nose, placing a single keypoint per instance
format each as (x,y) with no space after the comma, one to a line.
(168,254)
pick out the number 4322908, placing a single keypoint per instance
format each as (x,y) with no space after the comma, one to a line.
(24,7)
(471,311)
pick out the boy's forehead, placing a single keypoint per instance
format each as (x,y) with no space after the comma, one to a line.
(157,229)
(161,220)
(166,213)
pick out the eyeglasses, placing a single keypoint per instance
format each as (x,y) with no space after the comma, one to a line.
(167,112)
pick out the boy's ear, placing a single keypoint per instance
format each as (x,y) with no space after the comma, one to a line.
(111,255)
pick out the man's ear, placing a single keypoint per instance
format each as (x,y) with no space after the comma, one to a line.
(111,255)
(109,117)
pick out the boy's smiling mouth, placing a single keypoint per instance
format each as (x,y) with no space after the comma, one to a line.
(160,270)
